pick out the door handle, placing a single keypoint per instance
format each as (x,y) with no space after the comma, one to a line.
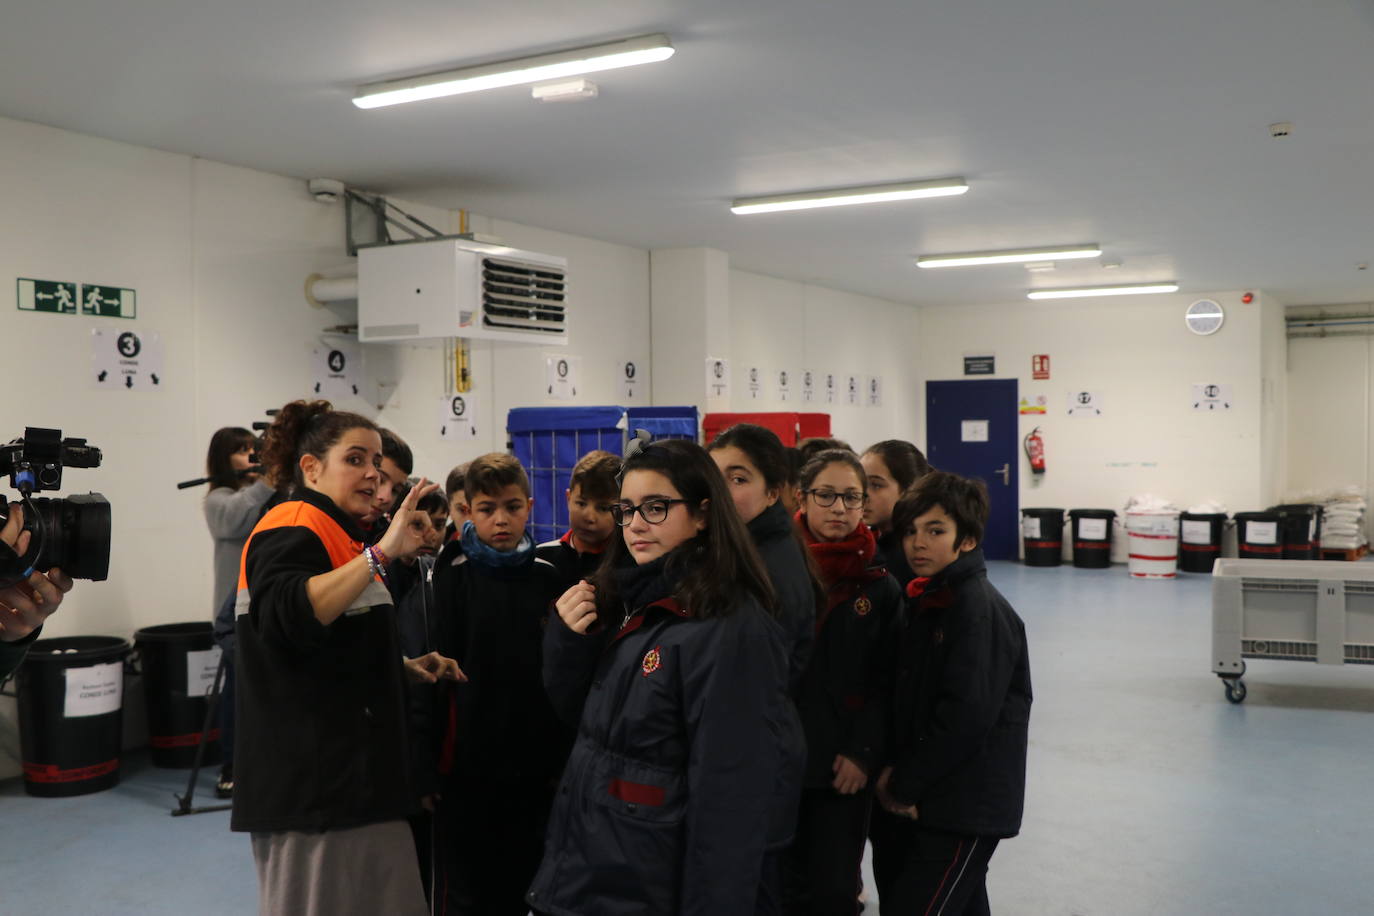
(1005,471)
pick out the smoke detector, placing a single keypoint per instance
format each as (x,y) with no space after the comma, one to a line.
(565,91)
(1281,129)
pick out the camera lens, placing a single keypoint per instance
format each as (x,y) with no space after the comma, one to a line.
(76,536)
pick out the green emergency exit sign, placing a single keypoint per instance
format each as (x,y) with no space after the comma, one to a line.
(108,301)
(46,296)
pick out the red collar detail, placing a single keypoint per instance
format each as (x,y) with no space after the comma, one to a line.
(670,605)
(916,587)
(578,546)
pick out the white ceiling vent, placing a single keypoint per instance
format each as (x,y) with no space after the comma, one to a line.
(416,292)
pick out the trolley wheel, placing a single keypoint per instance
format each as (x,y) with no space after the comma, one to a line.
(1235,690)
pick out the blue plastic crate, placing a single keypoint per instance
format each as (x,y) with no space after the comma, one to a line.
(549,441)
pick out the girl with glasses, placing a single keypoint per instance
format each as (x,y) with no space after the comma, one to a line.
(670,661)
(844,695)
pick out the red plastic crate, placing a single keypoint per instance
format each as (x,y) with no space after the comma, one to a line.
(791,428)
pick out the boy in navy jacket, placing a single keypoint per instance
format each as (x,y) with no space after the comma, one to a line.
(955,783)
(591,490)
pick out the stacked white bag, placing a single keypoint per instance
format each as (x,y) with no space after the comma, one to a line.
(1343,519)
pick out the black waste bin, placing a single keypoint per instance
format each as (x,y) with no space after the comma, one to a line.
(71,714)
(179,661)
(1259,535)
(1092,538)
(1302,530)
(1042,532)
(1200,540)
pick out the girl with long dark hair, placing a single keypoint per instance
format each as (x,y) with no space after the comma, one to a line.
(891,467)
(670,662)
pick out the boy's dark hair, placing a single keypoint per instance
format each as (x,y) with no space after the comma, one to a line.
(716,566)
(454,482)
(764,448)
(491,473)
(395,448)
(794,465)
(224,444)
(964,500)
(904,461)
(304,428)
(809,448)
(433,502)
(822,460)
(594,474)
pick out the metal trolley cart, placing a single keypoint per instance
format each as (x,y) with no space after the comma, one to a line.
(1302,611)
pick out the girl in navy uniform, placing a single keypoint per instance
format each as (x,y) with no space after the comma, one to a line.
(844,695)
(671,663)
(757,472)
(892,466)
(956,781)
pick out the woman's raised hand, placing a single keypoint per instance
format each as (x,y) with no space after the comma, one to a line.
(400,542)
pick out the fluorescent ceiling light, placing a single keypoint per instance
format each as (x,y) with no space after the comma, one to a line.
(1018,256)
(841,197)
(1090,291)
(642,50)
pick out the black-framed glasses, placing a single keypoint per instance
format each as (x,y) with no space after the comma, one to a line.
(826,498)
(653,510)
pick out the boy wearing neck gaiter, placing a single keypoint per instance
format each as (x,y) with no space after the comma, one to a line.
(498,744)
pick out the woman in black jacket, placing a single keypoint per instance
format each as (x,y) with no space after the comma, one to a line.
(844,696)
(323,782)
(671,664)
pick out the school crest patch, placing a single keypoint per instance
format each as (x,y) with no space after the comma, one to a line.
(862,606)
(938,636)
(652,659)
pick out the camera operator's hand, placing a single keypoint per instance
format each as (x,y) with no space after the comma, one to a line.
(400,540)
(24,606)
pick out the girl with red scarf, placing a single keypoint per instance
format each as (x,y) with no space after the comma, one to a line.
(845,691)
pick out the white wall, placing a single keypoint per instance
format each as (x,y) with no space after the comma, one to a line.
(780,324)
(1137,353)
(1329,409)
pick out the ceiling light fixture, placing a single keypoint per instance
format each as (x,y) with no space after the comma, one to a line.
(1015,256)
(645,49)
(1092,291)
(842,197)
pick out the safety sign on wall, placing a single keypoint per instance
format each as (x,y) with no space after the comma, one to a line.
(53,296)
(1085,403)
(563,376)
(717,377)
(632,380)
(108,301)
(1035,406)
(853,393)
(337,366)
(1040,367)
(873,388)
(784,385)
(1211,397)
(981,364)
(127,360)
(458,417)
(973,430)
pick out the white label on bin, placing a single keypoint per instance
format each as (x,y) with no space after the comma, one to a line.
(94,691)
(1261,532)
(1153,524)
(1092,529)
(200,671)
(1030,526)
(1197,532)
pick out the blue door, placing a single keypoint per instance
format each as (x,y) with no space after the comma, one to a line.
(971,429)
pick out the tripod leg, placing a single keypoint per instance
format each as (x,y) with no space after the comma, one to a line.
(211,708)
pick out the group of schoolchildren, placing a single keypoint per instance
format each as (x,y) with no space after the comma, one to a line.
(738,665)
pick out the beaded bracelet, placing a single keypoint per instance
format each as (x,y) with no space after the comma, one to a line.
(373,565)
(381,558)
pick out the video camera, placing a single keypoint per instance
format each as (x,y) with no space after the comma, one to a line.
(72,534)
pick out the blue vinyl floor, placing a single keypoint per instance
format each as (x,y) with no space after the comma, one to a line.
(1148,793)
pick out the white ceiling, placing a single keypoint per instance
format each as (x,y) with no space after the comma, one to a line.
(1141,125)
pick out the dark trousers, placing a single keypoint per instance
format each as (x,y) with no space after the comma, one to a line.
(822,866)
(489,840)
(924,872)
(225,713)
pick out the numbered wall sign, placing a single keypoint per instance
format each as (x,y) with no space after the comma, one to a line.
(808,390)
(784,385)
(717,377)
(831,388)
(755,379)
(338,369)
(873,388)
(632,380)
(458,417)
(563,375)
(127,360)
(853,394)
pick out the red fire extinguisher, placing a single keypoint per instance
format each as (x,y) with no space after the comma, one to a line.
(1035,451)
